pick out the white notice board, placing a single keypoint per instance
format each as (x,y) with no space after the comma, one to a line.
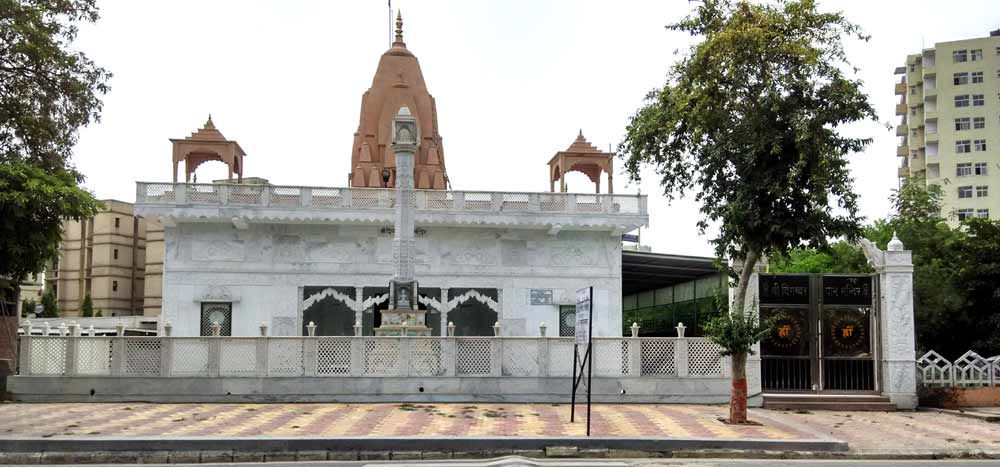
(583,304)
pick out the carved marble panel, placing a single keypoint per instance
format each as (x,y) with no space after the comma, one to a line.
(331,252)
(573,254)
(285,326)
(217,250)
(288,249)
(472,253)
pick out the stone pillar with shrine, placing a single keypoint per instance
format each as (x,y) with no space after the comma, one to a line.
(581,156)
(403,318)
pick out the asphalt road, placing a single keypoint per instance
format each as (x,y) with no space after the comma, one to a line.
(518,462)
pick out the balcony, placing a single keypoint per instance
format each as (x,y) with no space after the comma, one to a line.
(900,89)
(930,93)
(904,172)
(901,109)
(299,204)
(902,130)
(902,150)
(931,138)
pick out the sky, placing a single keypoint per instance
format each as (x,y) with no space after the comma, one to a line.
(514,82)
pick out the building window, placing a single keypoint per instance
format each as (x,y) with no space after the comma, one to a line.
(983,213)
(118,222)
(977,55)
(963,123)
(959,56)
(962,170)
(913,89)
(980,145)
(913,111)
(977,77)
(962,101)
(914,132)
(567,320)
(982,191)
(114,286)
(980,168)
(216,312)
(913,67)
(114,253)
(979,123)
(964,214)
(964,192)
(963,146)
(960,78)
(978,100)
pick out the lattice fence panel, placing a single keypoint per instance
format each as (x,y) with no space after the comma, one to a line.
(94,356)
(425,357)
(285,357)
(159,193)
(286,196)
(382,357)
(364,198)
(588,203)
(142,357)
(971,370)
(610,357)
(48,355)
(246,194)
(521,357)
(190,357)
(704,358)
(327,198)
(561,357)
(478,201)
(625,204)
(935,370)
(333,357)
(552,202)
(474,357)
(237,357)
(658,357)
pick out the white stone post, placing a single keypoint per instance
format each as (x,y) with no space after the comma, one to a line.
(46,329)
(897,343)
(451,329)
(543,356)
(634,351)
(496,354)
(72,348)
(680,329)
(359,310)
(118,351)
(168,328)
(541,329)
(311,329)
(166,352)
(91,331)
(63,330)
(681,357)
(444,311)
(357,328)
(357,356)
(215,350)
(260,349)
(310,355)
(24,368)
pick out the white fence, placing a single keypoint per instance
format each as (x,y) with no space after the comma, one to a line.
(969,370)
(236,195)
(364,357)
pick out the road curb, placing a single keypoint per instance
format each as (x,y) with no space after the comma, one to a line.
(968,412)
(261,449)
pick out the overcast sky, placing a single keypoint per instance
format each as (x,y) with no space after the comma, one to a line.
(514,81)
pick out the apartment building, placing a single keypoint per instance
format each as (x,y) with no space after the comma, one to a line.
(105,257)
(950,128)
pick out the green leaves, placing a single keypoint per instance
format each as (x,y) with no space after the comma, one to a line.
(737,333)
(33,204)
(47,92)
(748,119)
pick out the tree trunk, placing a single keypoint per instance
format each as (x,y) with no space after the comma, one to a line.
(738,395)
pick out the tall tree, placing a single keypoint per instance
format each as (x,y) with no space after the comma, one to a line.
(47,92)
(749,119)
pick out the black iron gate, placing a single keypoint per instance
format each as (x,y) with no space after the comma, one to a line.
(823,338)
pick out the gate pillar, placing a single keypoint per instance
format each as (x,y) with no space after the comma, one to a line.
(897,345)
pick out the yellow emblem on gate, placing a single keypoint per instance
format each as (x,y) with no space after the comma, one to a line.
(847,331)
(785,331)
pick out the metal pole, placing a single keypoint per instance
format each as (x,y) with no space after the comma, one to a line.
(572,407)
(590,355)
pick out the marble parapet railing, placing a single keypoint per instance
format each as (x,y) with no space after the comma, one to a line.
(968,370)
(363,356)
(292,197)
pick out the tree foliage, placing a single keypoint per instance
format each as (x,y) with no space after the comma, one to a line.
(50,307)
(47,92)
(749,120)
(87,308)
(33,203)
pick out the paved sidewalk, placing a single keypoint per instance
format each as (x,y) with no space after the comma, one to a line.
(378,420)
(868,434)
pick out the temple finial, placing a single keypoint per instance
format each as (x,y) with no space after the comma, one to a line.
(399,26)
(209,123)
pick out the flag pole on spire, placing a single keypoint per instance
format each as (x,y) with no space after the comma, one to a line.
(390,23)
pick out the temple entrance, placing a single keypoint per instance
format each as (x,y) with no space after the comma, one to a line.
(331,316)
(475,313)
(824,338)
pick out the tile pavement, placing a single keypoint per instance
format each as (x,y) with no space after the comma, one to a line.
(865,432)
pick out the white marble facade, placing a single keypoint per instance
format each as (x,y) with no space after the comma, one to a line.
(261,268)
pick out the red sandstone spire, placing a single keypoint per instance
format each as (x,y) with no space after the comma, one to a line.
(398,82)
